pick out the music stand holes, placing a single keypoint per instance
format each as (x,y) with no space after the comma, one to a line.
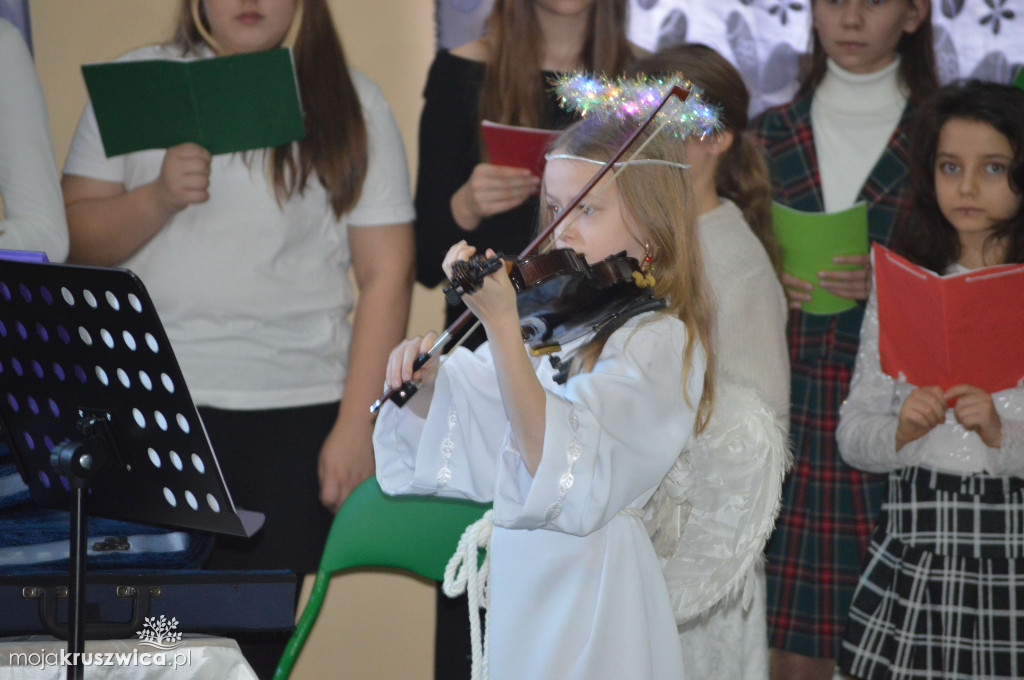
(48,443)
(32,405)
(37,368)
(123,377)
(112,301)
(176,460)
(5,291)
(22,331)
(161,422)
(65,483)
(108,339)
(31,443)
(133,300)
(41,332)
(182,423)
(191,500)
(129,340)
(139,418)
(154,458)
(3,330)
(26,294)
(84,334)
(45,293)
(168,384)
(198,464)
(144,379)
(16,365)
(151,342)
(68,297)
(212,502)
(13,401)
(64,335)
(80,374)
(44,478)
(54,409)
(102,376)
(89,298)
(169,496)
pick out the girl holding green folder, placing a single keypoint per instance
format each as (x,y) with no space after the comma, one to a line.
(246,258)
(842,140)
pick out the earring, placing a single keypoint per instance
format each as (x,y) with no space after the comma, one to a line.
(645,277)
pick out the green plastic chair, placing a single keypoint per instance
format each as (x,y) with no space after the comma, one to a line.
(414,533)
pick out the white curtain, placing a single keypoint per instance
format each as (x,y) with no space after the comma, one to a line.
(765,38)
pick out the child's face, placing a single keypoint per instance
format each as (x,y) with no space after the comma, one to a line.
(242,26)
(598,229)
(861,35)
(972,185)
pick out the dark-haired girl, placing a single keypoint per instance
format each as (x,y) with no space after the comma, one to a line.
(940,596)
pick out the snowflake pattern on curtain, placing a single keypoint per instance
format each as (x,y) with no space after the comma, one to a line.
(766,38)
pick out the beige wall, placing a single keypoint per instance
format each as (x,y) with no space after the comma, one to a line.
(374,625)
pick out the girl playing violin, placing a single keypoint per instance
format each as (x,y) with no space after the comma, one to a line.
(576,590)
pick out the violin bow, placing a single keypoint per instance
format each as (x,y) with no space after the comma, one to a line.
(400,395)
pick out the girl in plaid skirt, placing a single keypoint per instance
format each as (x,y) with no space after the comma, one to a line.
(941,595)
(841,141)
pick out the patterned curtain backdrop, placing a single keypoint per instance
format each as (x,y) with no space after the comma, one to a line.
(16,11)
(766,38)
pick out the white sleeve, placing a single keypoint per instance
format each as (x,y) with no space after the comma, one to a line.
(1008,459)
(86,156)
(452,450)
(613,436)
(870,414)
(385,198)
(33,205)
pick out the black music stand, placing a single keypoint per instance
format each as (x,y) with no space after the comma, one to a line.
(97,412)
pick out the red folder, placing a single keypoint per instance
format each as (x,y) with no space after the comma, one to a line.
(950,330)
(517,147)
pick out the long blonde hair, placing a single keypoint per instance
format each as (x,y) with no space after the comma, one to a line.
(659,200)
(510,93)
(335,148)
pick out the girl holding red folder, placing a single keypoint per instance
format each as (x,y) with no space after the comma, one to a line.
(841,141)
(940,595)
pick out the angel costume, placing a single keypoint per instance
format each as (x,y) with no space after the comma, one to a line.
(576,590)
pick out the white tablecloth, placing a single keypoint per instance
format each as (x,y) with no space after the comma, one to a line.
(196,656)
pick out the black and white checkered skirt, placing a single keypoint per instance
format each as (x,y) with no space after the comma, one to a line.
(942,594)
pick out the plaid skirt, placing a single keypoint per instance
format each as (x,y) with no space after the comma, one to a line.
(815,555)
(942,595)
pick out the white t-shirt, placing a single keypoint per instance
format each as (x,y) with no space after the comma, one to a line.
(254,295)
(33,207)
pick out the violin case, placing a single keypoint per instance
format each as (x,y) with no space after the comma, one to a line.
(133,571)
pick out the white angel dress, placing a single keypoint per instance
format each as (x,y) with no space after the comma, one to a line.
(576,589)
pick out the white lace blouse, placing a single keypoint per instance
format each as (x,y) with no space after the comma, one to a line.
(868,419)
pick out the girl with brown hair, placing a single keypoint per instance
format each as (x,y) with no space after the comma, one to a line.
(503,77)
(733,200)
(841,141)
(245,257)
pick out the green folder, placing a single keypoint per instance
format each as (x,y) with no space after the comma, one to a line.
(809,240)
(224,104)
(1018,82)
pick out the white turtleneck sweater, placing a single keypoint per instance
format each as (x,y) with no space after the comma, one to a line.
(853,116)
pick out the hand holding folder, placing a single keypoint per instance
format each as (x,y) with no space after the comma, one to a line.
(808,242)
(962,329)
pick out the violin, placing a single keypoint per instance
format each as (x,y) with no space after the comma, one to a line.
(540,277)
(560,297)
